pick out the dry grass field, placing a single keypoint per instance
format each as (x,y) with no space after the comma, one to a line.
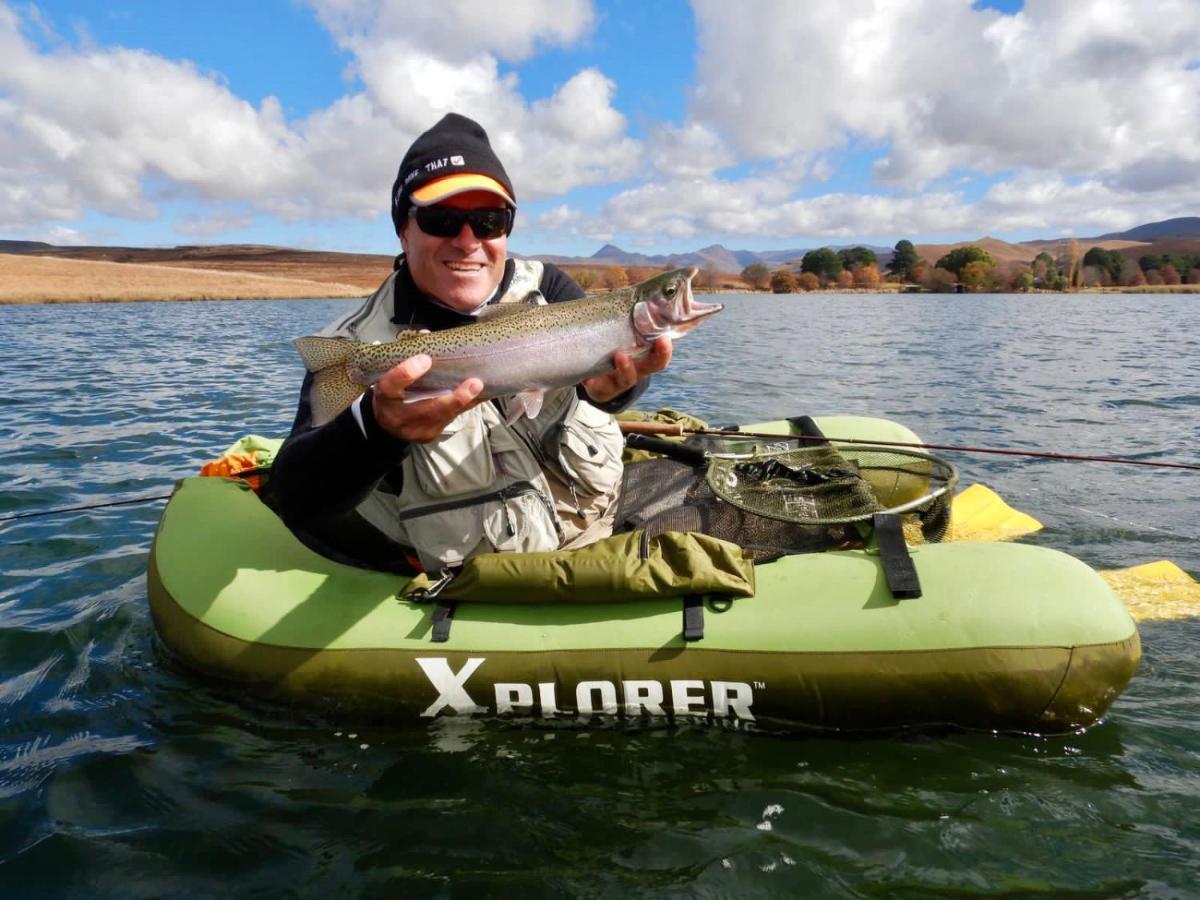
(55,279)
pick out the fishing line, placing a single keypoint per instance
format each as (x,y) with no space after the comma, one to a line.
(66,509)
(679,431)
(244,474)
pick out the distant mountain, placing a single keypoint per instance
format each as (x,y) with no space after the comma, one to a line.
(1171,235)
(716,256)
(24,246)
(1185,227)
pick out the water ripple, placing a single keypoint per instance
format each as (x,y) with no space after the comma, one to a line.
(123,775)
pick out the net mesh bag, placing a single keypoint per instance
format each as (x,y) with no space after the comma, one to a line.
(777,498)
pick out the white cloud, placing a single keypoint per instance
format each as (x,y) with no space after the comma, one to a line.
(418,62)
(1083,114)
(116,130)
(459,31)
(1080,87)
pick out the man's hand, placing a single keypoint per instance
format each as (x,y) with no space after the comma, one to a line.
(626,373)
(424,420)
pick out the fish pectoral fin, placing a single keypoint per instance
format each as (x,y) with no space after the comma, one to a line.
(528,403)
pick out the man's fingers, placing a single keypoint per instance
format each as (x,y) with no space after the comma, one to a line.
(423,420)
(626,372)
(399,377)
(657,359)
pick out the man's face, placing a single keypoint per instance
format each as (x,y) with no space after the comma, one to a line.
(461,271)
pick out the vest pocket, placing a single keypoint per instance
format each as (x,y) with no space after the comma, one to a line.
(589,451)
(458,462)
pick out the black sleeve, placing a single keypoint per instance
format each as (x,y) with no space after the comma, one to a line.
(331,469)
(557,285)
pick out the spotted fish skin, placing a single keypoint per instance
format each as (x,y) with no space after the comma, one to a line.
(516,350)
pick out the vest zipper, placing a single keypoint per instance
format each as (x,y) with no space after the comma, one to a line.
(502,494)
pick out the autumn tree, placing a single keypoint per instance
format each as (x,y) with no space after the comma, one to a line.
(1169,274)
(809,282)
(939,280)
(783,282)
(757,275)
(904,261)
(976,276)
(867,276)
(585,278)
(614,277)
(1133,277)
(845,279)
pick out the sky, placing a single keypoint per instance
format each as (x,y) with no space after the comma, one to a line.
(659,126)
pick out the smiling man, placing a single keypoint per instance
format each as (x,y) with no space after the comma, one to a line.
(402,484)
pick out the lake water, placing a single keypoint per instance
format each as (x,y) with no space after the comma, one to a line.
(121,775)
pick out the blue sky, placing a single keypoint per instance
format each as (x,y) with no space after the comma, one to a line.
(657,126)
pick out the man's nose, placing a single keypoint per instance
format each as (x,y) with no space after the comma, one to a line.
(465,237)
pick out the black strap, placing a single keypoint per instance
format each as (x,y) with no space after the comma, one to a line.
(693,617)
(443,617)
(898,568)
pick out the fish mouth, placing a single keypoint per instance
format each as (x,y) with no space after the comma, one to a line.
(673,314)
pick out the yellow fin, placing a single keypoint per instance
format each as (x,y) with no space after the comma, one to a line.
(980,514)
(1157,590)
(332,391)
(322,352)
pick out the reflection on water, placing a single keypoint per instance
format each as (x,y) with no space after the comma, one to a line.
(122,775)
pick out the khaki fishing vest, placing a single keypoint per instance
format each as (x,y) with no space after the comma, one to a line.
(539,484)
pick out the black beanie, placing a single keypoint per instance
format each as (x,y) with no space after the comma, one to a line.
(451,157)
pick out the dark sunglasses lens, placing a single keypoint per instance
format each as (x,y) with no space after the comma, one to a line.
(447,221)
(488,223)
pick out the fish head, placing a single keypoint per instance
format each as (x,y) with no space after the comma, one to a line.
(664,305)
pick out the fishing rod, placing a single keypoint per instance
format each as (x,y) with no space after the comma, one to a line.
(678,430)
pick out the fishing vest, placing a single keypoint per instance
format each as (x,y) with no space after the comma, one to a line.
(485,485)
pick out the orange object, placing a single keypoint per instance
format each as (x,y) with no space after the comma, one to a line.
(236,465)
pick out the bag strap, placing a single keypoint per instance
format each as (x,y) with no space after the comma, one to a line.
(693,617)
(442,618)
(898,568)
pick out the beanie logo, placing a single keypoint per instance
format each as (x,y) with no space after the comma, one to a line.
(457,161)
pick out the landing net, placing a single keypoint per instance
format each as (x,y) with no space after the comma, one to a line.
(776,498)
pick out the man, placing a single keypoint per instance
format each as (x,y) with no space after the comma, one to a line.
(427,484)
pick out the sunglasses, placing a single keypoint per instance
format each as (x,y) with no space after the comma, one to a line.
(447,221)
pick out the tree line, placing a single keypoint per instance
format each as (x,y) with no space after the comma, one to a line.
(968,268)
(972,268)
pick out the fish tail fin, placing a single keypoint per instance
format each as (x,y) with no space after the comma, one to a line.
(332,389)
(322,352)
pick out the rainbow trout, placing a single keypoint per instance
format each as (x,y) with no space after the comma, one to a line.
(514,348)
